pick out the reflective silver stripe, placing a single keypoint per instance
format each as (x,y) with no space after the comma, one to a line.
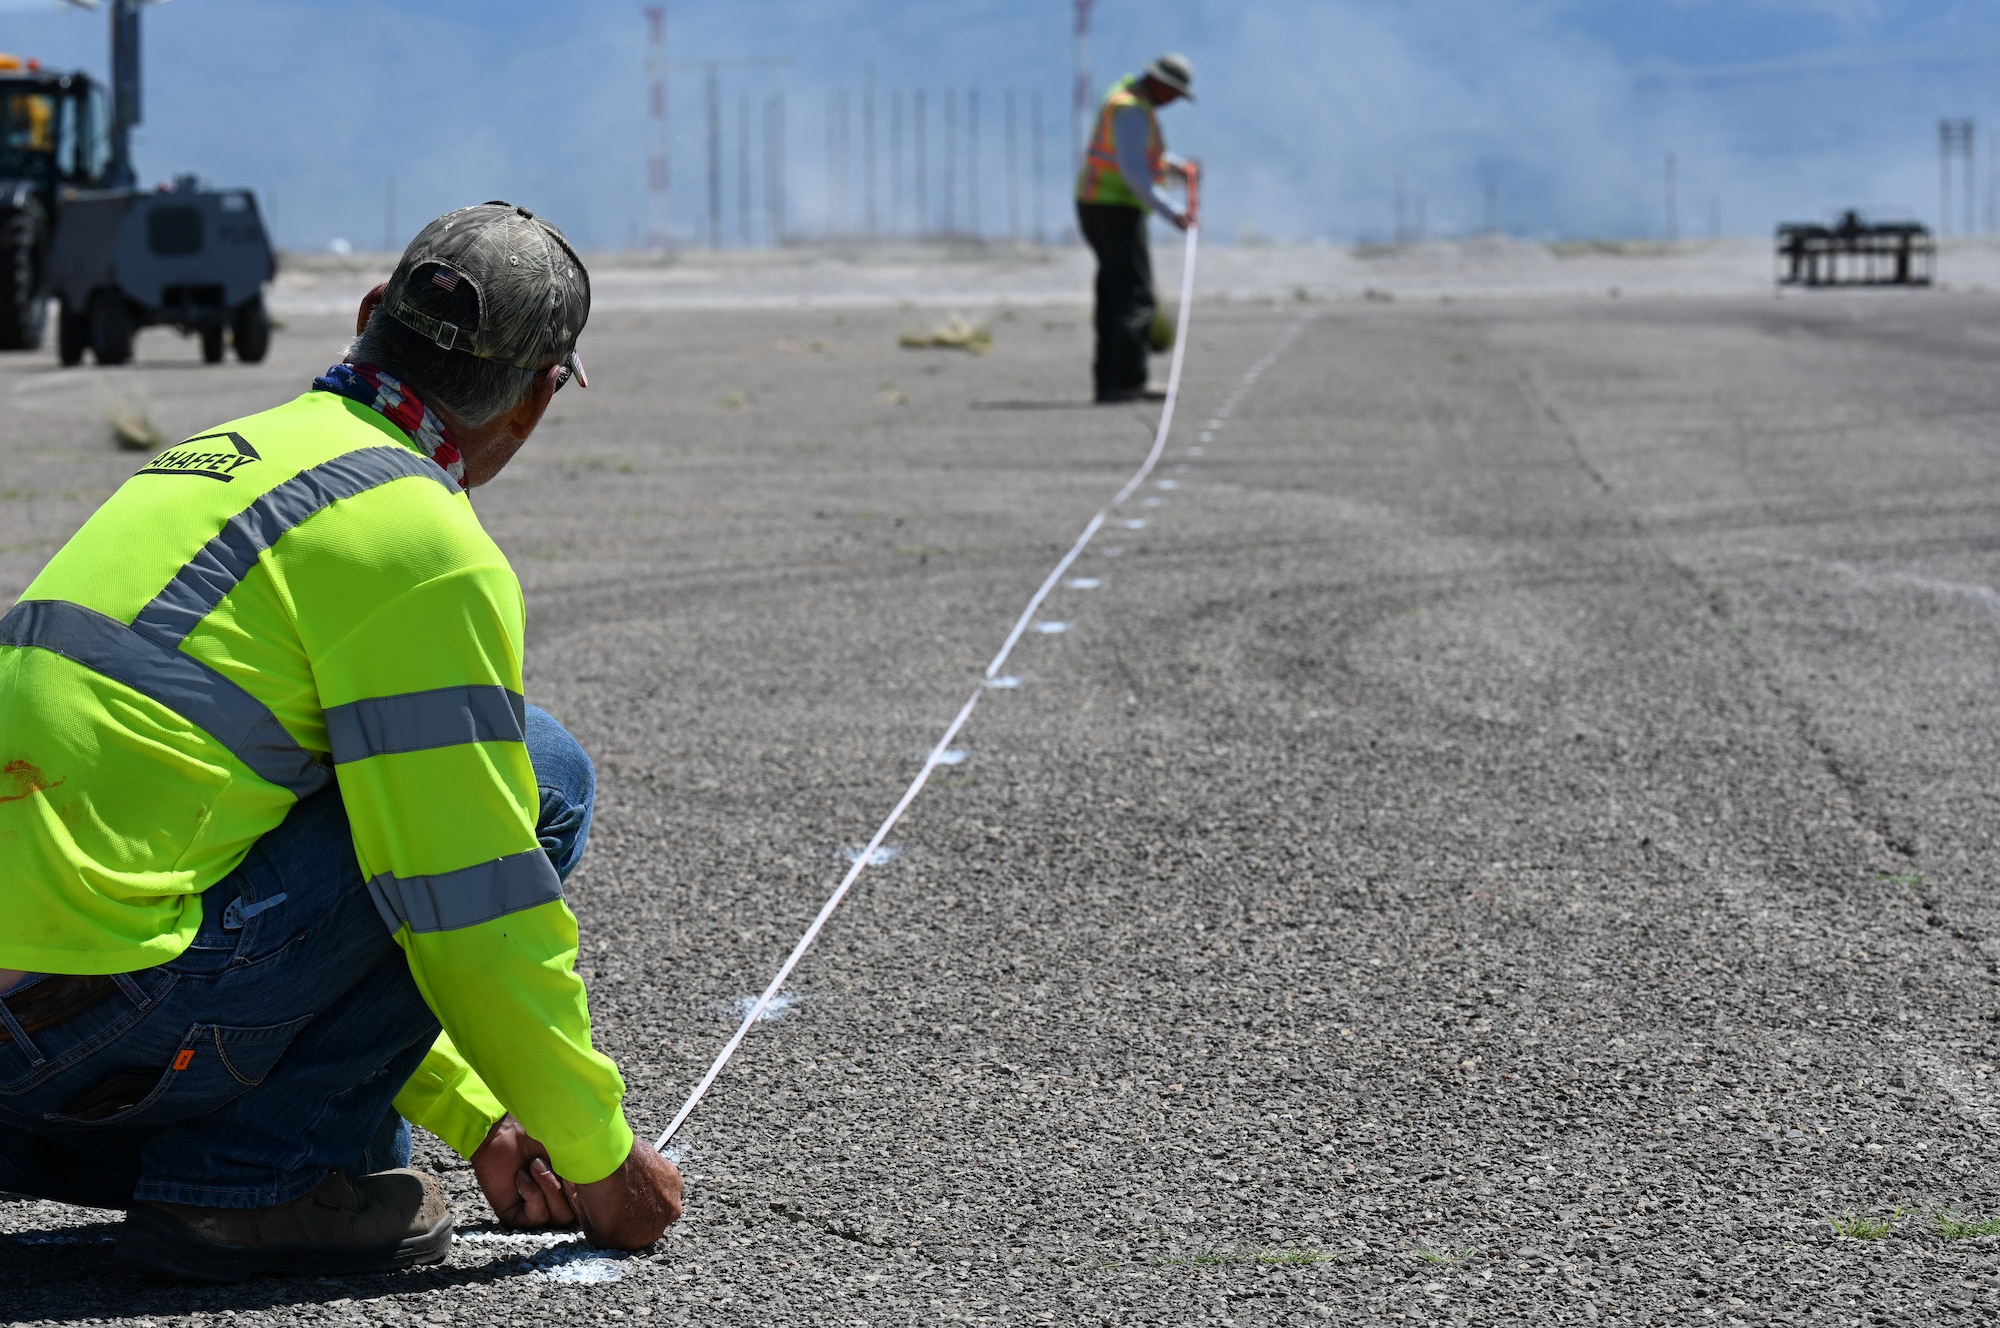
(469,897)
(225,560)
(419,721)
(181,683)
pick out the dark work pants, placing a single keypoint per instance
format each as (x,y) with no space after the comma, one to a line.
(1125,303)
(269,1051)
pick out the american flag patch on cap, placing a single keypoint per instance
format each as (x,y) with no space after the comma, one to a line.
(445,279)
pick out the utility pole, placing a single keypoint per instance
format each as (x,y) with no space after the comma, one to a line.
(1954,141)
(1080,92)
(950,162)
(923,178)
(774,167)
(972,162)
(868,146)
(659,221)
(1041,235)
(896,162)
(1673,208)
(1013,177)
(711,69)
(714,91)
(846,169)
(743,169)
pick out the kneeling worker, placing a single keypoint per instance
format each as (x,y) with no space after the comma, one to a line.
(281,842)
(1123,170)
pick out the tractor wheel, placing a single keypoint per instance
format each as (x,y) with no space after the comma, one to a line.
(110,327)
(211,345)
(252,328)
(24,257)
(72,334)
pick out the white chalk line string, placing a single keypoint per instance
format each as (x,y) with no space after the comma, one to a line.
(993,671)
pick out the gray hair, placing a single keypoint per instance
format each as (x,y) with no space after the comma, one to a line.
(475,391)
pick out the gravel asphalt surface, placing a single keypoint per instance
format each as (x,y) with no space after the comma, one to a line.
(1508,839)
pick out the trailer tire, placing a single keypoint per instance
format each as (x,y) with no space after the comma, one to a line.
(211,344)
(72,334)
(252,329)
(24,263)
(111,327)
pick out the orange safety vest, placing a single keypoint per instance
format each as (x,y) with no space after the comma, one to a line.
(1101,181)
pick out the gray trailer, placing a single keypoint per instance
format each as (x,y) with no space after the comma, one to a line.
(188,257)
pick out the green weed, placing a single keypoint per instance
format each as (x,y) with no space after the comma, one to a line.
(1953,1227)
(1856,1227)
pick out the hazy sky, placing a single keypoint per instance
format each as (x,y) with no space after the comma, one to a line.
(1309,112)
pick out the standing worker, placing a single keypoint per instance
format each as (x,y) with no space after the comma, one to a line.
(1123,171)
(281,842)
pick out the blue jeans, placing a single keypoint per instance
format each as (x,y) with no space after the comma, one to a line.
(292,1027)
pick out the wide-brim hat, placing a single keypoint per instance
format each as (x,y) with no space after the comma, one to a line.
(494,281)
(1174,70)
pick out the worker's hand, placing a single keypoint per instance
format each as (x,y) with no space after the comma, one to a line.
(630,1208)
(513,1169)
(1181,220)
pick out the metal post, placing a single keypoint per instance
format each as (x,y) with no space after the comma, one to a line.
(125,105)
(1971,194)
(896,162)
(972,162)
(775,196)
(922,158)
(714,160)
(868,146)
(950,162)
(743,169)
(1041,234)
(659,224)
(1013,177)
(1673,209)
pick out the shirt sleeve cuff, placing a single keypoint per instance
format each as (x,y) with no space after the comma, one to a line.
(593,1156)
(462,1112)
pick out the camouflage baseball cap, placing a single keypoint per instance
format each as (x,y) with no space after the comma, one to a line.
(494,281)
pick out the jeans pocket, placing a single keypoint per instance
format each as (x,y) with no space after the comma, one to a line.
(213,1064)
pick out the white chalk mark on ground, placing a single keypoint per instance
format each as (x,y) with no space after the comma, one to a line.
(538,1239)
(1083,583)
(1006,682)
(576,1266)
(1051,628)
(1152,502)
(1135,523)
(882,856)
(956,756)
(776,1008)
(1167,484)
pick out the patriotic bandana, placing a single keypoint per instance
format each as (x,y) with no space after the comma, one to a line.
(397,404)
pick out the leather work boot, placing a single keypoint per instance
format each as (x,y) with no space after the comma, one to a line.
(392,1219)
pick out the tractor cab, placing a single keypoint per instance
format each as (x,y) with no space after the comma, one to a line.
(55,129)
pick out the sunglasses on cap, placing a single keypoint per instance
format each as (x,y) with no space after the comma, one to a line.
(570,366)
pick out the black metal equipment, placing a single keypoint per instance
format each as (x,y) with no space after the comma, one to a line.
(1856,253)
